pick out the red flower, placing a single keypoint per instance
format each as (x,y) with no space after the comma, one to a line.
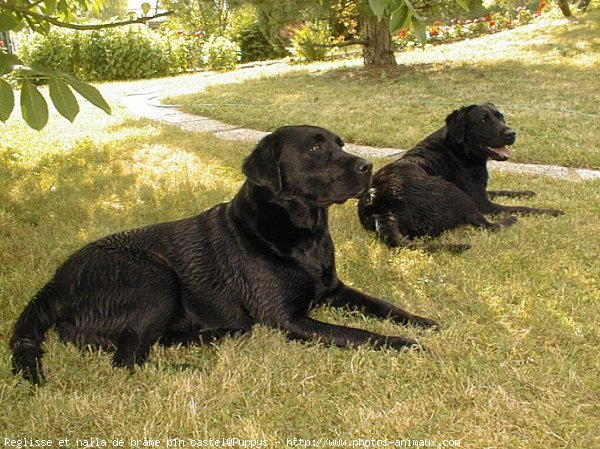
(436,23)
(542,5)
(179,32)
(491,23)
(508,21)
(199,34)
(1,43)
(434,32)
(402,33)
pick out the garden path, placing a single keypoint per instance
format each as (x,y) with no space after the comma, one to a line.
(142,99)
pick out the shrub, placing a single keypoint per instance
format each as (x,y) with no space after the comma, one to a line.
(132,52)
(254,45)
(184,49)
(59,49)
(219,53)
(124,53)
(304,40)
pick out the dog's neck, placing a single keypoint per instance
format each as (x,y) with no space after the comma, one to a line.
(276,216)
(463,150)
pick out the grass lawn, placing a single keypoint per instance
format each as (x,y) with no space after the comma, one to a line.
(544,76)
(515,366)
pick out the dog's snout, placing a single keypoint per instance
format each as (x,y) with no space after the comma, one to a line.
(363,166)
(510,135)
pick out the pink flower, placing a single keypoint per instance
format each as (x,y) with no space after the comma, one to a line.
(1,43)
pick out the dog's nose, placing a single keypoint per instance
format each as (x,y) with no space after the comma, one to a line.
(363,166)
(510,135)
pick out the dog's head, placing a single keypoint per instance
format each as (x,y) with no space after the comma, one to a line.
(481,131)
(307,163)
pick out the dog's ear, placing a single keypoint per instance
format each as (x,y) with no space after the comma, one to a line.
(455,124)
(262,166)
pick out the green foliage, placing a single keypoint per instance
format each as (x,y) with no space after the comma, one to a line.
(59,49)
(132,52)
(254,45)
(34,108)
(14,15)
(39,16)
(123,53)
(219,53)
(212,17)
(310,40)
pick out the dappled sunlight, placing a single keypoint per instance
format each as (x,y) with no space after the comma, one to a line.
(154,164)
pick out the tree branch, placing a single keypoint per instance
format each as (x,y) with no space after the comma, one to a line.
(54,21)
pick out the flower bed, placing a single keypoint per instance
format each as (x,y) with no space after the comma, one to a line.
(458,29)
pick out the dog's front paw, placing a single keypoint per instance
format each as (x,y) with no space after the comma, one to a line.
(553,212)
(425,322)
(527,193)
(399,343)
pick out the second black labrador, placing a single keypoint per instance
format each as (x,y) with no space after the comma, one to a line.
(441,183)
(265,257)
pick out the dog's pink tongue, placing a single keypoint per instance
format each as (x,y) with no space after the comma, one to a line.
(504,151)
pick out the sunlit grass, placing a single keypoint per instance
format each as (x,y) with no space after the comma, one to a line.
(544,77)
(515,365)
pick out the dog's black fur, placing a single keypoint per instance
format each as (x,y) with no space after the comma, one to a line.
(265,257)
(441,182)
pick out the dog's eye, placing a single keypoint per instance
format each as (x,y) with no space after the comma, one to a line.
(484,120)
(316,147)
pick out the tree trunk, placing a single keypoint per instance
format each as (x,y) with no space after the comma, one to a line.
(564,7)
(379,49)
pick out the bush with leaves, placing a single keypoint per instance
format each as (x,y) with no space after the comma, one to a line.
(311,41)
(219,53)
(132,52)
(254,45)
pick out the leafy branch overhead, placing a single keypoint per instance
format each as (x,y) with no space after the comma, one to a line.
(33,105)
(39,16)
(403,14)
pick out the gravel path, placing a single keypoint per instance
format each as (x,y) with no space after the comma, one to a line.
(143,100)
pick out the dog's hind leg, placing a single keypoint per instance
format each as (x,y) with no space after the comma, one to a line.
(511,193)
(480,221)
(388,230)
(522,210)
(133,347)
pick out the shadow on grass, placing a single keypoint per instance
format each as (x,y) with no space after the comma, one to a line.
(54,203)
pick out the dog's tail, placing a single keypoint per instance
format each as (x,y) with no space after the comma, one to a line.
(39,315)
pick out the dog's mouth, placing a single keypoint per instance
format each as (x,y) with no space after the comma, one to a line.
(500,154)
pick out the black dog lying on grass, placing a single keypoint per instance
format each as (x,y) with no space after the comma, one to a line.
(441,182)
(265,257)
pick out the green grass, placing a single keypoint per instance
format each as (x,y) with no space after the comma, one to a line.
(544,76)
(515,366)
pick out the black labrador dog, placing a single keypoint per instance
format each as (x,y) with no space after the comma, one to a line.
(264,257)
(441,182)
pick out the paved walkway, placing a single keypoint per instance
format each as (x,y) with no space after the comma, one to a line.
(146,103)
